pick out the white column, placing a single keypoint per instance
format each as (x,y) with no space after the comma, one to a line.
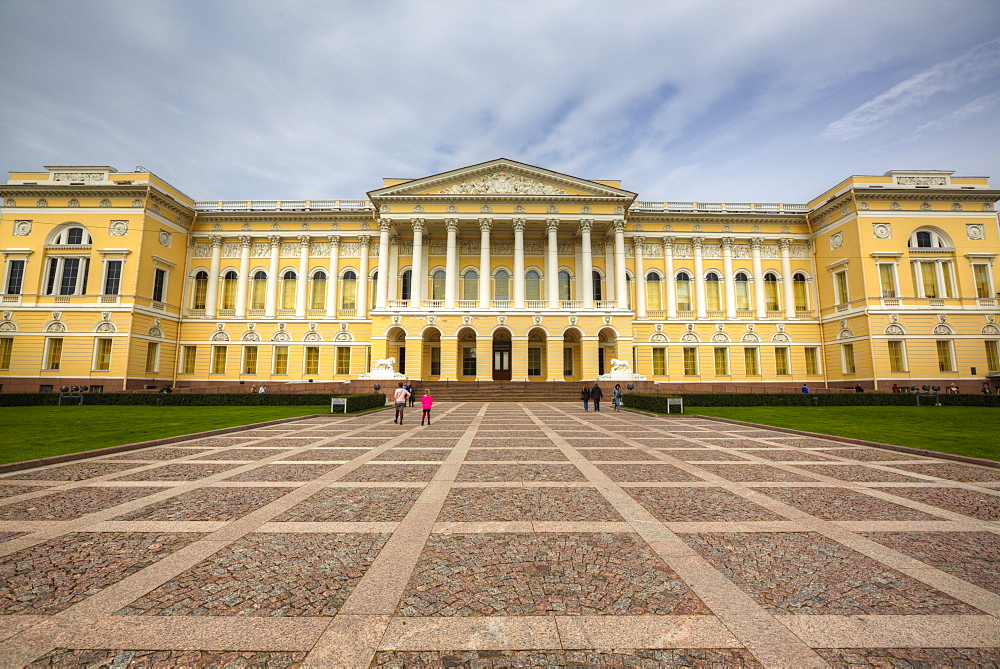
(727,277)
(519,263)
(362,312)
(552,262)
(417,279)
(271,297)
(588,264)
(668,268)
(382,287)
(609,268)
(787,285)
(451,264)
(485,224)
(244,281)
(699,278)
(212,294)
(392,290)
(331,285)
(640,278)
(758,278)
(302,286)
(621,286)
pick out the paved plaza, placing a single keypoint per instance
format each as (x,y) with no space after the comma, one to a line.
(502,535)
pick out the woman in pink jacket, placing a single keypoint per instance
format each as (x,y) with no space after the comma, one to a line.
(426,402)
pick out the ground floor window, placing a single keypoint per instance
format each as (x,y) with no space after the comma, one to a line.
(691,361)
(102,355)
(847,358)
(722,361)
(992,356)
(280,360)
(567,361)
(249,359)
(659,362)
(534,361)
(189,356)
(781,361)
(750,362)
(6,345)
(311,364)
(436,361)
(53,353)
(343,360)
(469,361)
(897,358)
(152,357)
(946,362)
(812,360)
(218,359)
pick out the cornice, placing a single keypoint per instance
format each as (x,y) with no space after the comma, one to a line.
(720,218)
(883,195)
(44,190)
(288,217)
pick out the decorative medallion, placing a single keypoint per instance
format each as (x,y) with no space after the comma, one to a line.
(658,338)
(155,332)
(280,336)
(925,206)
(956,207)
(137,203)
(105,203)
(22,228)
(836,241)
(220,336)
(974,231)
(9,202)
(312,336)
(73,203)
(42,202)
(164,238)
(882,230)
(895,206)
(894,329)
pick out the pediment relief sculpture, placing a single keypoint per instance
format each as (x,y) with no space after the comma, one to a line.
(502,183)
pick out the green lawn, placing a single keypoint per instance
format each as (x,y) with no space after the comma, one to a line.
(971,431)
(38,432)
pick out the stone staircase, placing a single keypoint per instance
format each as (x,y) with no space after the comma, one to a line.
(502,391)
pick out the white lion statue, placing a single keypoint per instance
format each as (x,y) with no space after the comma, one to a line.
(386,364)
(620,366)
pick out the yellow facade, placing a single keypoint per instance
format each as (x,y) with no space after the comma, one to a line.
(120,281)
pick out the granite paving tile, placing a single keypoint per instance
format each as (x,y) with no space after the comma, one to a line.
(869,454)
(543,504)
(652,472)
(657,442)
(358,442)
(954,472)
(286,442)
(12,490)
(736,443)
(425,454)
(971,503)
(785,455)
(519,472)
(972,556)
(157,454)
(597,442)
(217,442)
(543,574)
(514,454)
(807,573)
(178,472)
(193,659)
(760,434)
(511,442)
(280,473)
(904,658)
(841,504)
(699,505)
(804,442)
(633,658)
(77,471)
(254,434)
(51,576)
(746,473)
(247,454)
(268,575)
(509,434)
(353,505)
(69,504)
(7,536)
(327,454)
(621,454)
(858,473)
(702,454)
(218,504)
(374,473)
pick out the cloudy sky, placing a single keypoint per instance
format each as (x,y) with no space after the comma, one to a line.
(709,100)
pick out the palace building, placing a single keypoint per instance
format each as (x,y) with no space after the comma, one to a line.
(497,271)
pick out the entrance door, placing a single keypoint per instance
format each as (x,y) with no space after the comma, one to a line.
(401,360)
(501,360)
(600,361)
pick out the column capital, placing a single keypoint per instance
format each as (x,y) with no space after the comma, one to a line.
(668,241)
(637,243)
(756,242)
(586,224)
(485,224)
(306,240)
(394,239)
(216,240)
(578,239)
(418,224)
(364,239)
(784,243)
(274,240)
(519,224)
(727,242)
(334,240)
(551,224)
(618,225)
(385,224)
(451,224)
(246,241)
(696,242)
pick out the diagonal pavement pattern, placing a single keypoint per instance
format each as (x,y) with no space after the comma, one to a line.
(501,535)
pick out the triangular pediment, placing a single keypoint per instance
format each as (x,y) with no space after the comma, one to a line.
(502,178)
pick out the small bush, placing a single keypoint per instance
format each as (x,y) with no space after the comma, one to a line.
(658,403)
(354,402)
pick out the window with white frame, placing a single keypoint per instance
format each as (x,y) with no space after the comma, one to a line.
(230,281)
(501,285)
(159,284)
(946,356)
(771,302)
(53,353)
(847,358)
(349,290)
(189,357)
(289,288)
(690,355)
(751,361)
(71,236)
(800,286)
(318,299)
(928,238)
(152,357)
(200,293)
(933,278)
(781,366)
(249,359)
(470,285)
(258,289)
(565,289)
(219,359)
(405,285)
(981,274)
(842,296)
(102,355)
(532,286)
(437,285)
(659,361)
(67,275)
(812,361)
(311,365)
(6,348)
(742,291)
(887,279)
(713,292)
(897,355)
(596,278)
(373,291)
(992,355)
(722,361)
(280,361)
(682,291)
(15,277)
(653,299)
(112,277)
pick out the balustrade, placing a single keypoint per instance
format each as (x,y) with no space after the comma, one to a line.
(467,304)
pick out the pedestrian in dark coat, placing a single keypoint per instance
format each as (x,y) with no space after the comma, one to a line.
(596,394)
(585,396)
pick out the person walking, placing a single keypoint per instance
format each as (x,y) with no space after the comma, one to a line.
(585,396)
(596,394)
(413,392)
(426,402)
(616,397)
(399,398)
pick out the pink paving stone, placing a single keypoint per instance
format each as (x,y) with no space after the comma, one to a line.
(7,536)
(72,657)
(353,505)
(178,472)
(327,454)
(511,442)
(955,472)
(212,504)
(248,454)
(78,471)
(386,473)
(12,490)
(972,556)
(543,504)
(784,455)
(967,502)
(699,505)
(911,657)
(497,659)
(544,574)
(749,473)
(69,504)
(858,473)
(869,454)
(157,454)
(426,454)
(704,454)
(651,472)
(514,454)
(519,472)
(620,454)
(283,473)
(841,504)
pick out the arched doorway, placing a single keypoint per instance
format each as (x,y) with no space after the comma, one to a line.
(607,348)
(395,347)
(501,355)
(465,356)
(572,354)
(432,353)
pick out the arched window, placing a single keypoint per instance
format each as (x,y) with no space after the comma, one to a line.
(288,289)
(801,292)
(373,293)
(259,290)
(200,290)
(470,285)
(683,291)
(771,302)
(564,287)
(318,299)
(349,290)
(742,291)
(713,296)
(437,285)
(596,277)
(501,285)
(928,238)
(73,236)
(653,301)
(405,285)
(229,283)
(532,286)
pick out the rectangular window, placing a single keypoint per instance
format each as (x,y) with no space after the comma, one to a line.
(249,359)
(659,362)
(771,302)
(112,277)
(7,344)
(691,362)
(159,282)
(897,359)
(152,357)
(53,354)
(70,276)
(534,361)
(946,362)
(189,357)
(722,361)
(781,361)
(887,279)
(343,360)
(567,361)
(801,295)
(847,356)
(312,360)
(980,271)
(436,361)
(946,282)
(218,359)
(281,360)
(15,277)
(840,286)
(318,291)
(812,361)
(102,355)
(750,362)
(928,278)
(993,356)
(469,361)
(96,389)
